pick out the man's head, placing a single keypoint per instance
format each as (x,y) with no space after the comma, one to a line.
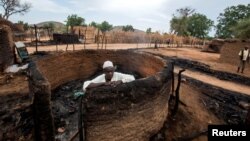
(246,47)
(108,69)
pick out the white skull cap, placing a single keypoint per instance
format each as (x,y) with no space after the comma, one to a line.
(107,64)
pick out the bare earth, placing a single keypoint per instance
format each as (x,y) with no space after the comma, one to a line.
(211,59)
(191,118)
(217,82)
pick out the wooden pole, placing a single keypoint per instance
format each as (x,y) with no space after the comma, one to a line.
(105,43)
(85,38)
(98,32)
(36,36)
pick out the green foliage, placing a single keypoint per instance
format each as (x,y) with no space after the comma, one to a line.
(128,28)
(94,24)
(149,30)
(199,25)
(186,23)
(178,25)
(230,18)
(242,29)
(185,12)
(74,20)
(179,22)
(49,25)
(105,26)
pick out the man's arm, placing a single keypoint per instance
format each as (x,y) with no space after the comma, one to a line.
(98,81)
(94,85)
(125,78)
(241,54)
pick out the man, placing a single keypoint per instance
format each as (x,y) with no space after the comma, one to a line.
(244,55)
(109,78)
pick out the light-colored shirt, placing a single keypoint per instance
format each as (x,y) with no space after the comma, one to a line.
(116,77)
(245,55)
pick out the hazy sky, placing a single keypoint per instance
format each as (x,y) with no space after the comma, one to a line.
(141,14)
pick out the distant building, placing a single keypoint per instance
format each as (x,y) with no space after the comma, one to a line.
(88,33)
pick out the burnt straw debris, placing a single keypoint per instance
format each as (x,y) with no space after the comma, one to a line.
(204,68)
(223,103)
(65,109)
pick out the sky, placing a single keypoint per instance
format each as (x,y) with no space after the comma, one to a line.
(141,14)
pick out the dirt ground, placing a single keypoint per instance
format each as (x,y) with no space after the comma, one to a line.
(211,59)
(192,118)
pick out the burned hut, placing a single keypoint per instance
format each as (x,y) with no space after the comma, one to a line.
(132,111)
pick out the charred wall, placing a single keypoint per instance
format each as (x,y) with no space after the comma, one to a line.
(65,67)
(131,111)
(6,47)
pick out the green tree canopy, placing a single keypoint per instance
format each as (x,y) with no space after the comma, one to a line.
(49,25)
(179,26)
(74,20)
(179,22)
(105,26)
(128,28)
(229,19)
(242,29)
(199,25)
(149,30)
(186,23)
(94,24)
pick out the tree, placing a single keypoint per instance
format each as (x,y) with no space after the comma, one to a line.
(242,29)
(50,28)
(149,30)
(50,25)
(128,28)
(179,26)
(94,24)
(229,19)
(185,12)
(11,7)
(74,20)
(199,25)
(105,26)
(25,25)
(179,22)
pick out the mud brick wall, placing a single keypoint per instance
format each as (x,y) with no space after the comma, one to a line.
(214,46)
(131,111)
(41,94)
(62,68)
(14,27)
(230,52)
(6,47)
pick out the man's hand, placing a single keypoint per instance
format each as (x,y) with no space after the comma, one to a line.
(113,83)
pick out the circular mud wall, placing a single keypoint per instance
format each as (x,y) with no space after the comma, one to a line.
(65,67)
(130,111)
